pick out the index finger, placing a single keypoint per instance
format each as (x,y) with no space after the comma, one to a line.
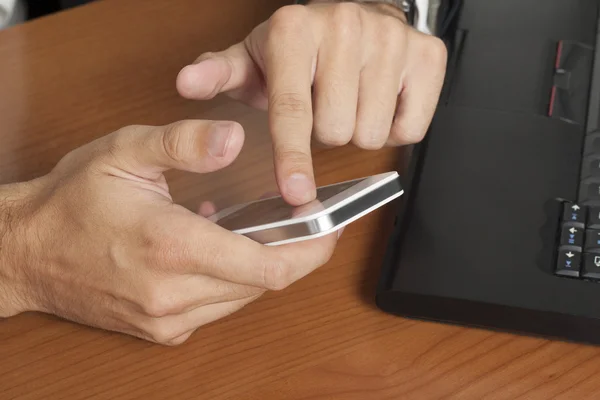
(290,57)
(198,246)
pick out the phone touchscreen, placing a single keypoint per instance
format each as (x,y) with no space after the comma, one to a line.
(275,209)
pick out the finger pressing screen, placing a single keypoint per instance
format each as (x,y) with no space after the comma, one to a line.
(289,56)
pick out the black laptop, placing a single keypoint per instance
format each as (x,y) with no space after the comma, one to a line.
(499,226)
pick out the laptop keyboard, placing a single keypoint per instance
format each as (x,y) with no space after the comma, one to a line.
(579,236)
(579,247)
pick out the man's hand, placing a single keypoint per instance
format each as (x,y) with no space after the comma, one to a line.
(99,240)
(343,72)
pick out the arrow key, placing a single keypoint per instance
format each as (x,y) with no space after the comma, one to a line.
(571,236)
(568,263)
(574,213)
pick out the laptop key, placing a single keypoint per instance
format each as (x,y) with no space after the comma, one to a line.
(574,214)
(592,240)
(571,236)
(591,167)
(592,143)
(568,263)
(590,193)
(594,218)
(591,266)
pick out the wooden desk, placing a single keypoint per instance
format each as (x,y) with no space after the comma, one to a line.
(70,78)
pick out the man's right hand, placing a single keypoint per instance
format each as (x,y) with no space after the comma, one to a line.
(331,72)
(99,240)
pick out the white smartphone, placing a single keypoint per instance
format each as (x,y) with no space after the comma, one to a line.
(272,221)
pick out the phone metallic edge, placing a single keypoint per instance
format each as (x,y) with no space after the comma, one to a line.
(338,211)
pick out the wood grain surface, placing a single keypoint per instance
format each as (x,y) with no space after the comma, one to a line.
(72,77)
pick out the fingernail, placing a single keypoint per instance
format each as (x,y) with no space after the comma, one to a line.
(300,188)
(340,232)
(218,140)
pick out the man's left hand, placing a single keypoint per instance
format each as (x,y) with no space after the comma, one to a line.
(338,72)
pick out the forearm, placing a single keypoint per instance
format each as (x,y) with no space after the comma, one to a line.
(5,279)
(12,286)
(5,223)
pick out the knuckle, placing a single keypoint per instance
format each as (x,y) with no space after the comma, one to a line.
(175,142)
(158,302)
(130,129)
(338,137)
(114,142)
(335,141)
(408,135)
(347,18)
(111,147)
(121,135)
(162,332)
(369,140)
(334,131)
(392,30)
(178,340)
(276,275)
(434,53)
(288,19)
(289,104)
(290,156)
(323,256)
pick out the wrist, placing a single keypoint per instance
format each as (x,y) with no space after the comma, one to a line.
(394,8)
(14,287)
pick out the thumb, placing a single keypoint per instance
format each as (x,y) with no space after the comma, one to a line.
(195,146)
(232,71)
